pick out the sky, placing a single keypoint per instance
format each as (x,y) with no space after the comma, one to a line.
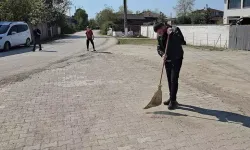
(166,6)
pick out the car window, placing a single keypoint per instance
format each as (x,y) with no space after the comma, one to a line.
(4,28)
(22,28)
(25,27)
(13,29)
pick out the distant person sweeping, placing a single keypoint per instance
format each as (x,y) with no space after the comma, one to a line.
(90,38)
(170,41)
(37,35)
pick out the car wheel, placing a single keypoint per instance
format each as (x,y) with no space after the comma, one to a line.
(7,46)
(27,42)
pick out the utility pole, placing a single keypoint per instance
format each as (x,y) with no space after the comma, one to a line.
(125,18)
(70,11)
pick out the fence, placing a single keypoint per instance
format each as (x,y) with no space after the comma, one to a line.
(206,35)
(239,37)
(44,30)
(47,32)
(199,35)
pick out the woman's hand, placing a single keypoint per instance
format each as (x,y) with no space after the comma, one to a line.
(169,31)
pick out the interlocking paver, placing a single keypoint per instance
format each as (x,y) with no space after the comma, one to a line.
(97,104)
(49,145)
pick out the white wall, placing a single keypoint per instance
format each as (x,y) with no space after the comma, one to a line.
(199,35)
(208,35)
(118,34)
(148,31)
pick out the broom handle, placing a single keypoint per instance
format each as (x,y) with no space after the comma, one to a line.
(164,60)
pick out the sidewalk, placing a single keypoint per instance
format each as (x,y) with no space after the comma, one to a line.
(95,102)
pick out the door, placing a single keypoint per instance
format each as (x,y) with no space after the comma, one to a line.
(22,34)
(13,36)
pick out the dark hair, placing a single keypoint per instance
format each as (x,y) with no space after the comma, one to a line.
(158,26)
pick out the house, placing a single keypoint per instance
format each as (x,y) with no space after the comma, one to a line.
(151,17)
(235,9)
(71,21)
(135,21)
(216,16)
(171,21)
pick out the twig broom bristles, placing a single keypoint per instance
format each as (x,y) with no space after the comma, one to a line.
(157,98)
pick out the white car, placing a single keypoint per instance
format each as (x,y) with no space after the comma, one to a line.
(14,34)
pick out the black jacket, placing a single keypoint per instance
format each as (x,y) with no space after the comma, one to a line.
(37,33)
(174,50)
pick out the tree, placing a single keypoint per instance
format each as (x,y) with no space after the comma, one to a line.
(106,25)
(184,7)
(183,20)
(156,11)
(82,19)
(106,18)
(121,10)
(162,18)
(197,18)
(207,16)
(105,15)
(201,16)
(137,12)
(57,10)
(23,10)
(93,24)
(34,11)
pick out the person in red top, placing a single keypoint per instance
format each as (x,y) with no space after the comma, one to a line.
(90,38)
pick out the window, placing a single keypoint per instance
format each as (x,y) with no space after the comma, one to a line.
(4,28)
(246,3)
(234,4)
(233,19)
(13,29)
(22,28)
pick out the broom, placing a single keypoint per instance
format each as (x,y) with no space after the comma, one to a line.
(157,98)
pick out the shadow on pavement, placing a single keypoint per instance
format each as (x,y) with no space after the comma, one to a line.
(74,37)
(102,52)
(167,113)
(21,50)
(15,51)
(48,51)
(222,116)
(83,37)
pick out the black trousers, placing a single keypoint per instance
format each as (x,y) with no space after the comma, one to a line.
(173,70)
(92,42)
(37,41)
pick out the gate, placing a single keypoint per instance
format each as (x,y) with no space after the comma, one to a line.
(239,37)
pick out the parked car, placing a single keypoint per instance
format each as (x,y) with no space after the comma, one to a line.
(14,34)
(242,21)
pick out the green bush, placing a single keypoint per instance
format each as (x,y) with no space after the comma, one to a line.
(105,26)
(68,29)
(183,20)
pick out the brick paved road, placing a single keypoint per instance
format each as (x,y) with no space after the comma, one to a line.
(21,60)
(94,102)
